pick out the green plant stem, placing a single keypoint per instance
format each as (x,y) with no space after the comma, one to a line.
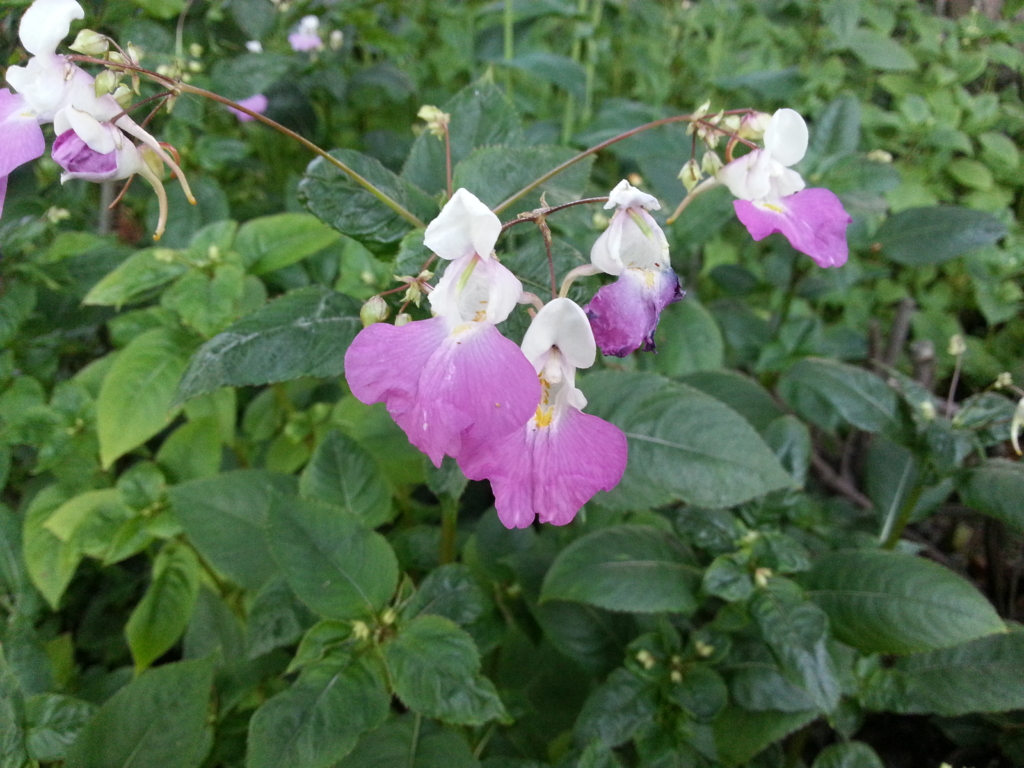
(449,528)
(569,114)
(415,742)
(177,87)
(597,148)
(591,66)
(508,30)
(904,518)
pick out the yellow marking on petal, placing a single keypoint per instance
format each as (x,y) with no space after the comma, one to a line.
(480,315)
(771,207)
(649,277)
(542,418)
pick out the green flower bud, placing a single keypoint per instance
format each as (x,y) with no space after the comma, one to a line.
(90,43)
(374,311)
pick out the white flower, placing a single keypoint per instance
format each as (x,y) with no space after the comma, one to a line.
(764,175)
(465,225)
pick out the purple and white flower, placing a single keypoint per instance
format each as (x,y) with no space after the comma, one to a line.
(773,198)
(454,380)
(624,314)
(550,467)
(306,36)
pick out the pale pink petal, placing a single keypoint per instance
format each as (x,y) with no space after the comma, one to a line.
(786,137)
(814,221)
(304,41)
(625,313)
(549,472)
(20,135)
(257,103)
(76,157)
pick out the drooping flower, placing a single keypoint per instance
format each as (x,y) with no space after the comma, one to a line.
(625,313)
(453,380)
(306,36)
(551,467)
(772,197)
(257,103)
(54,89)
(20,136)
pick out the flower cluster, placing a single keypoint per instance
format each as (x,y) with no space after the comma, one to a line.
(458,387)
(94,135)
(772,197)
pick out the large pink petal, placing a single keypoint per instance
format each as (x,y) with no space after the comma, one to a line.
(20,135)
(549,472)
(444,386)
(814,221)
(479,386)
(625,313)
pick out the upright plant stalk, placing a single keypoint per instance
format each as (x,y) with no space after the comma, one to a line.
(508,31)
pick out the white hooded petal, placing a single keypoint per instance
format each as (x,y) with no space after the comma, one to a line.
(560,323)
(488,293)
(46,23)
(45,82)
(625,195)
(633,240)
(464,226)
(786,137)
(748,177)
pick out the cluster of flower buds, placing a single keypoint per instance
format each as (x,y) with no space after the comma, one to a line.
(771,196)
(509,414)
(94,135)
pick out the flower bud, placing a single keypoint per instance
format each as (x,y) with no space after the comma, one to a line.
(374,311)
(134,52)
(105,82)
(360,630)
(753,125)
(646,658)
(691,174)
(761,576)
(703,649)
(928,410)
(879,156)
(90,43)
(336,39)
(731,123)
(403,319)
(957,345)
(1003,380)
(413,293)
(600,221)
(711,163)
(675,676)
(254,46)
(195,50)
(123,95)
(1015,425)
(195,66)
(55,214)
(436,120)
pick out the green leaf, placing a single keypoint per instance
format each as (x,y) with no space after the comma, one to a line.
(136,398)
(986,675)
(338,201)
(250,73)
(156,721)
(971,173)
(481,116)
(317,721)
(207,302)
(683,445)
(879,51)
(272,242)
(161,9)
(191,451)
(631,568)
(617,709)
(13,752)
(920,236)
(303,333)
(741,734)
(881,602)
(225,518)
(449,591)
(744,395)
(836,132)
(995,488)
(796,630)
(852,754)
(137,277)
(791,441)
(435,668)
(52,723)
(858,396)
(13,573)
(276,618)
(50,562)
(495,173)
(159,620)
(333,562)
(688,340)
(341,472)
(91,522)
(408,742)
(566,73)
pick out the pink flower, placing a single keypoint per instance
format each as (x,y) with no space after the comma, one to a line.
(20,135)
(453,380)
(625,314)
(88,149)
(306,37)
(257,103)
(551,467)
(772,197)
